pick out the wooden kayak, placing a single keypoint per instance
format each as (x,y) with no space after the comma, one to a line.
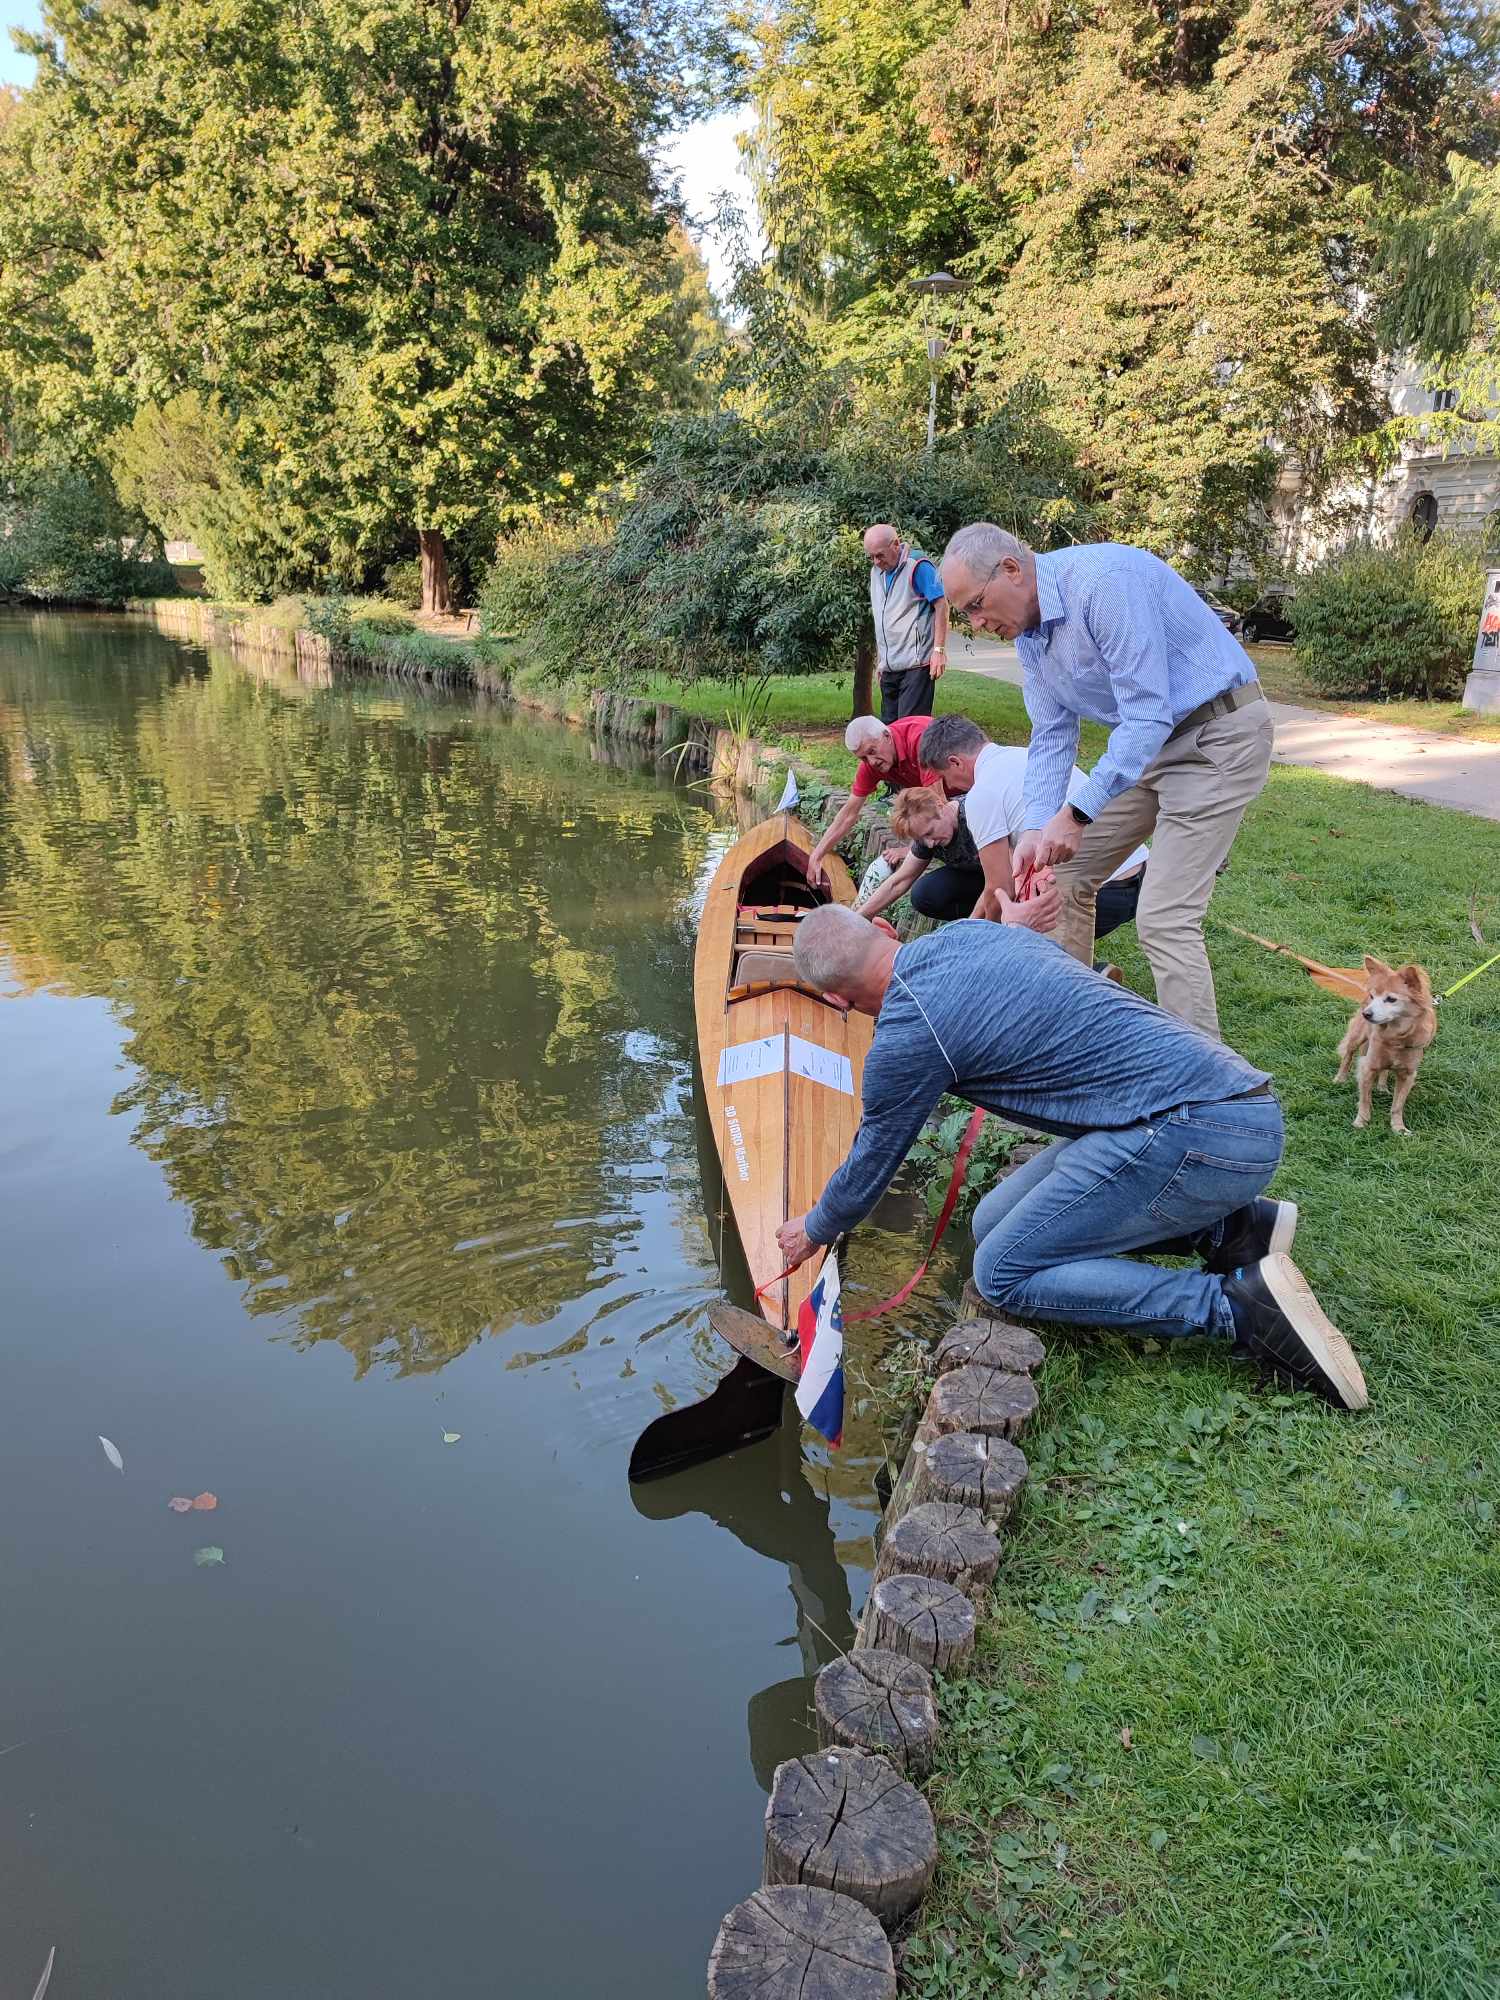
(782,1067)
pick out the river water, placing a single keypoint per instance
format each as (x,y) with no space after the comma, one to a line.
(351,1174)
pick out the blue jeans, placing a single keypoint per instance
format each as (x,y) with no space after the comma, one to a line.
(1049,1238)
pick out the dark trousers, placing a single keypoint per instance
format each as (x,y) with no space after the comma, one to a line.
(946,893)
(907,692)
(1114,903)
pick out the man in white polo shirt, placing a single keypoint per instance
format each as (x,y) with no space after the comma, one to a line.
(991,780)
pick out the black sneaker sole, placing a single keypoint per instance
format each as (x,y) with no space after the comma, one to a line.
(1327,1346)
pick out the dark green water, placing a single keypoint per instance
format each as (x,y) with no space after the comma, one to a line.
(346,1099)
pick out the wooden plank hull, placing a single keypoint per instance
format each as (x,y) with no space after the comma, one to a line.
(781,1067)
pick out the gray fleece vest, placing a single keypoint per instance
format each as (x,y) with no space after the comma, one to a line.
(903,620)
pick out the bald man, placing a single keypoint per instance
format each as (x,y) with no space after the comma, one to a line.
(910,615)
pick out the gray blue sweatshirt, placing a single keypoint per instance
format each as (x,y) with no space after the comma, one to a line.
(1002,1016)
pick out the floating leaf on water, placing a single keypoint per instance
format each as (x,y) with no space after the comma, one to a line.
(452,1437)
(205,1503)
(179,1505)
(46,1978)
(112,1453)
(205,1557)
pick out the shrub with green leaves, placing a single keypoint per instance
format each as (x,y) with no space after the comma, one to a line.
(65,538)
(740,550)
(1391,621)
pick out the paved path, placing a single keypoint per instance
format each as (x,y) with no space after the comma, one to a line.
(1418,763)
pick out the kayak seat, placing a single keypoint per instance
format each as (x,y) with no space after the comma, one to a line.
(752,967)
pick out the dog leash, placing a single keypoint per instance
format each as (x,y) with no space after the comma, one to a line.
(1470,975)
(961,1160)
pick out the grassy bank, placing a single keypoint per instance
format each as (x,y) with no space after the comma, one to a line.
(1229,1734)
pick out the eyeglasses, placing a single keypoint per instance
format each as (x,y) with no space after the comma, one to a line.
(974,603)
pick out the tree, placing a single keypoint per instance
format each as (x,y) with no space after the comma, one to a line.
(1160,203)
(412,256)
(1441,267)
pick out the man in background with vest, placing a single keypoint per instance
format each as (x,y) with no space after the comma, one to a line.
(910,615)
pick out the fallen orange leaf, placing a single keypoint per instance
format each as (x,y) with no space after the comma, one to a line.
(205,1503)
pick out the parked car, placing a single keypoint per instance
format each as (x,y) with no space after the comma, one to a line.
(1269,618)
(1226,617)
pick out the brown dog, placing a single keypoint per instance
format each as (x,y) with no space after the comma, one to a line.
(1394,1026)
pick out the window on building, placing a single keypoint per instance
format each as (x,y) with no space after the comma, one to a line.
(1444,399)
(1424,515)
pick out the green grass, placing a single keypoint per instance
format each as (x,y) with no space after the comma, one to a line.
(1284,680)
(1295,1616)
(800,706)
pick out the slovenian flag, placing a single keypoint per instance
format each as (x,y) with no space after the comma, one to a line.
(820,1330)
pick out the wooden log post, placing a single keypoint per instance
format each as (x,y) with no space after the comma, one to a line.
(987,1400)
(800,1943)
(847,1820)
(924,1618)
(967,1470)
(954,1543)
(878,1701)
(990,1343)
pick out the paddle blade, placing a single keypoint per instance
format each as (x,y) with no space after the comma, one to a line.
(745,1407)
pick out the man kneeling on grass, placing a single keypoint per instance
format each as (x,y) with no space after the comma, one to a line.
(1168,1138)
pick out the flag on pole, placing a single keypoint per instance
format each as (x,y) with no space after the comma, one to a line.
(820,1331)
(790,796)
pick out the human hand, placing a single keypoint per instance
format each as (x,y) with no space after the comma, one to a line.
(795,1243)
(817,878)
(895,854)
(1060,838)
(1041,906)
(1025,856)
(937,665)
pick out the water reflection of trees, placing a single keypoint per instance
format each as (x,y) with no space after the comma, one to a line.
(375,959)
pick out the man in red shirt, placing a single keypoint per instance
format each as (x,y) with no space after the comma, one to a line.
(888,755)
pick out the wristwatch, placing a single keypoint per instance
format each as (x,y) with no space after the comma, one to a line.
(1082,818)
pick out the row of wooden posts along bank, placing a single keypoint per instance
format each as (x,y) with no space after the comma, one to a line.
(687,745)
(850,1842)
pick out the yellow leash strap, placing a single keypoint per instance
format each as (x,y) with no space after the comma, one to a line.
(1472,975)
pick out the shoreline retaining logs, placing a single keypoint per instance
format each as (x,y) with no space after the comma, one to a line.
(870,1700)
(848,1820)
(806,1944)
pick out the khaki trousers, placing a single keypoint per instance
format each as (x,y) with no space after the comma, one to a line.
(1189,802)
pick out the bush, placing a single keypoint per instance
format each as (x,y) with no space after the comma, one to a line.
(403,582)
(740,552)
(66,539)
(1391,621)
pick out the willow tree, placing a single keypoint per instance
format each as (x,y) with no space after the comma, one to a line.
(1441,267)
(414,254)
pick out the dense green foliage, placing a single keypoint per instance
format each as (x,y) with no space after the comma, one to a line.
(1441,268)
(741,548)
(1391,621)
(66,538)
(1163,211)
(410,263)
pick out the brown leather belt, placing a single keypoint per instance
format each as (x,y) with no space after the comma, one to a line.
(1222,704)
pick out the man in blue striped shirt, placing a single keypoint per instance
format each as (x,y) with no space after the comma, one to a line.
(1114,634)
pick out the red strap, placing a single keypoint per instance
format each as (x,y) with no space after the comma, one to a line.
(945,1216)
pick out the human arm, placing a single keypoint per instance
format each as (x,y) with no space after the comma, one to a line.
(1049,766)
(892,891)
(842,823)
(938,661)
(899,1094)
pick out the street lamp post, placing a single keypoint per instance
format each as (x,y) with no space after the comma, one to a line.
(937,285)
